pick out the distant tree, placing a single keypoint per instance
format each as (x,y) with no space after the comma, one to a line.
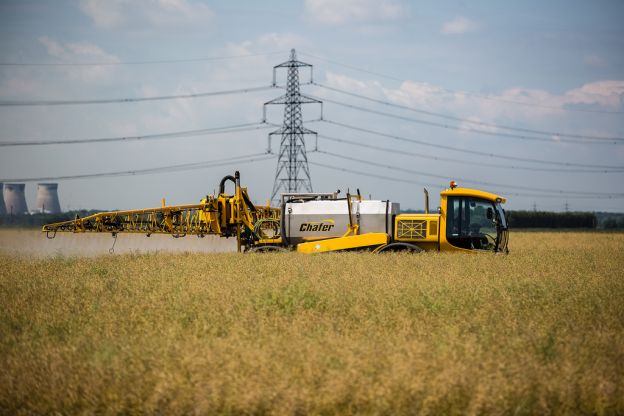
(545,219)
(610,223)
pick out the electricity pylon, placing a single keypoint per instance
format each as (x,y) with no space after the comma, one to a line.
(292,173)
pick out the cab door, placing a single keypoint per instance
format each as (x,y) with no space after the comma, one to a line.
(470,224)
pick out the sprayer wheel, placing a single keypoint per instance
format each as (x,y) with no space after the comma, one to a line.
(267,249)
(394,247)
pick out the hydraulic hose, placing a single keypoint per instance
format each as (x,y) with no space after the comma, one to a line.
(222,183)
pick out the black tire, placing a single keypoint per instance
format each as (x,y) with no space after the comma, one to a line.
(394,247)
(267,249)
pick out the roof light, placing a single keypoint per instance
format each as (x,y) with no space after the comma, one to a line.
(453,184)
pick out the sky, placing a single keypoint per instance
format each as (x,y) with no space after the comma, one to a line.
(523,99)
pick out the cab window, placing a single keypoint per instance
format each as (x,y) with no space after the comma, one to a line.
(470,223)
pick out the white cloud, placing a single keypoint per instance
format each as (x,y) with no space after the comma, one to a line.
(53,47)
(77,52)
(252,66)
(114,13)
(106,14)
(472,122)
(608,94)
(594,60)
(227,109)
(21,86)
(276,41)
(459,25)
(334,12)
(540,104)
(177,12)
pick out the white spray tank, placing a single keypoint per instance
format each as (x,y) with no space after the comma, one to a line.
(315,216)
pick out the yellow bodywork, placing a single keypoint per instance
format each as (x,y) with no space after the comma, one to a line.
(444,245)
(344,243)
(253,226)
(416,228)
(428,231)
(472,192)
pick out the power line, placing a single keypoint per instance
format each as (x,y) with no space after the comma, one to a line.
(616,140)
(188,133)
(172,168)
(432,175)
(473,152)
(463,161)
(147,62)
(132,100)
(372,175)
(395,179)
(465,120)
(465,93)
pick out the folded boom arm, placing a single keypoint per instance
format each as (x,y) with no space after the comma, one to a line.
(223,215)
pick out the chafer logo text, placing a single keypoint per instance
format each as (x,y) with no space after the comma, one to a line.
(325,225)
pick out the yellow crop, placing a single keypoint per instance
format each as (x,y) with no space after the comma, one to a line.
(538,331)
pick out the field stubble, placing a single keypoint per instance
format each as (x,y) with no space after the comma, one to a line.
(538,331)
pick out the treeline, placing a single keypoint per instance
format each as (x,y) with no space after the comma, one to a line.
(547,219)
(610,220)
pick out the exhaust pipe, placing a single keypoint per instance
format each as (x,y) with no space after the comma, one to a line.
(426,200)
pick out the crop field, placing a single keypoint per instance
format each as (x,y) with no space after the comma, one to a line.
(538,331)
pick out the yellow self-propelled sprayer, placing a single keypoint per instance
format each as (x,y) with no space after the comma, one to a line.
(466,220)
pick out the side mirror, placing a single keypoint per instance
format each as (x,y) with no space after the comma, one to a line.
(490,214)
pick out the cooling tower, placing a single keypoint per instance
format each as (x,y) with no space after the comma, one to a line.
(15,199)
(2,206)
(47,198)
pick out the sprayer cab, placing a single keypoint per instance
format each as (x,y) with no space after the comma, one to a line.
(467,220)
(473,220)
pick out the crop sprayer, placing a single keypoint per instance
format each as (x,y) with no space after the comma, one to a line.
(466,220)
